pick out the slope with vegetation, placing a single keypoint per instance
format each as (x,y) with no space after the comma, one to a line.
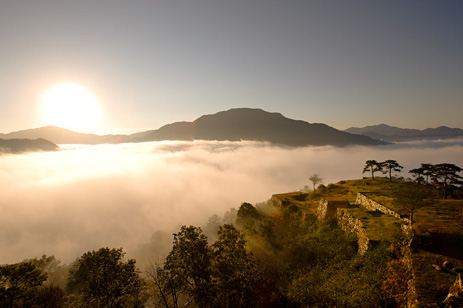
(281,253)
(429,258)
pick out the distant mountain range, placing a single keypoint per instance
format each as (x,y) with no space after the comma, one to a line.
(390,133)
(15,146)
(232,125)
(63,136)
(254,125)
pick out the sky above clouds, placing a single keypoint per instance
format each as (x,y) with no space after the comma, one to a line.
(149,63)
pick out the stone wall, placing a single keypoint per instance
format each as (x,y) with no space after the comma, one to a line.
(322,208)
(326,209)
(372,205)
(351,224)
(276,200)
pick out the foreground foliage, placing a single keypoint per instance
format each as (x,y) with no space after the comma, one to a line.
(221,275)
(279,258)
(257,256)
(102,279)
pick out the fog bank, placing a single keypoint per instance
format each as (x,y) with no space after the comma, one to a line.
(87,197)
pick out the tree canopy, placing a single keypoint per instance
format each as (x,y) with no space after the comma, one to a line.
(103,279)
(391,166)
(446,175)
(372,166)
(223,274)
(17,281)
(315,179)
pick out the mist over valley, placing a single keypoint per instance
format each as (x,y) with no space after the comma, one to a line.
(89,196)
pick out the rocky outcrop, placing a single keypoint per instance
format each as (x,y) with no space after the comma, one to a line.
(455,296)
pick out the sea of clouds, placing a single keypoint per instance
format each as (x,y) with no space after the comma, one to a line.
(86,197)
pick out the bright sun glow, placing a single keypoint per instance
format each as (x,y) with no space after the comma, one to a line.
(71,106)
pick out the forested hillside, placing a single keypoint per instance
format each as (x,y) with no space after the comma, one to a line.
(272,254)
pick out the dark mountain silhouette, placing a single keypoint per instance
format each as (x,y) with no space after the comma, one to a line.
(63,136)
(232,125)
(255,125)
(391,133)
(26,145)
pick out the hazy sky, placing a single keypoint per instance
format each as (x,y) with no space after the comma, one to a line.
(152,62)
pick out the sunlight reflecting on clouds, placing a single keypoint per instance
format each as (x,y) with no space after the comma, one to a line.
(86,197)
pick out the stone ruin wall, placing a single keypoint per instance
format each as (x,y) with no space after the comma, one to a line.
(371,205)
(334,210)
(349,223)
(322,209)
(327,210)
(276,201)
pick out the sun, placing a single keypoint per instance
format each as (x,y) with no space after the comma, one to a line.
(71,106)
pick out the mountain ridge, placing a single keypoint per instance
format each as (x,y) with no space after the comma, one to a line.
(60,135)
(232,125)
(391,133)
(256,125)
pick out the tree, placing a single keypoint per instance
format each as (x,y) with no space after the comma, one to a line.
(188,266)
(411,197)
(246,211)
(446,175)
(56,273)
(210,229)
(428,170)
(315,179)
(391,165)
(372,166)
(230,216)
(17,281)
(221,275)
(103,279)
(165,288)
(423,173)
(234,271)
(45,296)
(418,174)
(247,216)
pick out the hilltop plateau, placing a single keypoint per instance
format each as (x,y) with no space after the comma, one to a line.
(432,252)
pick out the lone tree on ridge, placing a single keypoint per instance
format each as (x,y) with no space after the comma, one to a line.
(391,165)
(372,166)
(315,179)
